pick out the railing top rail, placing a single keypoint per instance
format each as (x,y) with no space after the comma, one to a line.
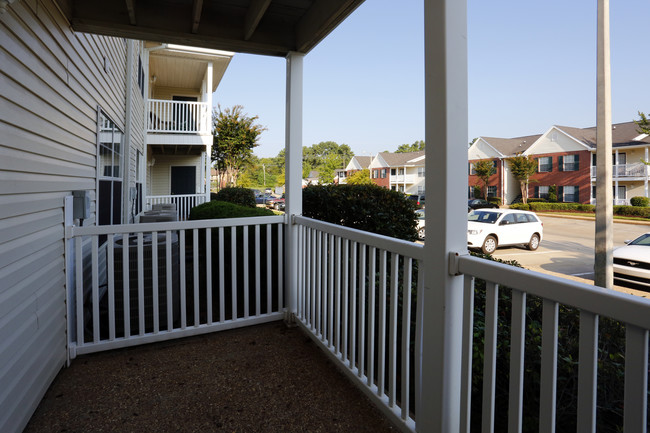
(170,101)
(176,195)
(619,306)
(178,225)
(404,248)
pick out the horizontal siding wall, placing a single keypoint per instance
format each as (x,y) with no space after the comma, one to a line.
(161,172)
(51,83)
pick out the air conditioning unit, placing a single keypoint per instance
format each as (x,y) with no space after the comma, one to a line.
(148,288)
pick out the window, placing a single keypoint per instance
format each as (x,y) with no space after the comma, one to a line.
(542,191)
(492,191)
(383,173)
(393,187)
(420,171)
(374,174)
(472,171)
(401,171)
(109,163)
(545,164)
(420,190)
(568,162)
(569,194)
(393,172)
(140,76)
(401,188)
(139,181)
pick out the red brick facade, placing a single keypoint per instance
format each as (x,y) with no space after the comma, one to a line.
(563,174)
(494,180)
(381,176)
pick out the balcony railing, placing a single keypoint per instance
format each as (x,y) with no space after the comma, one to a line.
(401,178)
(178,117)
(141,283)
(636,169)
(357,298)
(184,202)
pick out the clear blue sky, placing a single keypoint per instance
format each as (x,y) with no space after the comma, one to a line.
(531,65)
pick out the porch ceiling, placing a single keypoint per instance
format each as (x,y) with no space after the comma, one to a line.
(181,149)
(270,27)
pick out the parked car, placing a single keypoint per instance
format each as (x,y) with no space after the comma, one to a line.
(479,203)
(632,262)
(419,216)
(488,229)
(263,199)
(418,199)
(276,203)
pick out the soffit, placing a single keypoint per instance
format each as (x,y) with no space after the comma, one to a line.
(270,27)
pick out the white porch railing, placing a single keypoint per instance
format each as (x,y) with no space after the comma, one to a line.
(357,299)
(178,117)
(171,280)
(592,303)
(400,178)
(184,202)
(637,169)
(617,202)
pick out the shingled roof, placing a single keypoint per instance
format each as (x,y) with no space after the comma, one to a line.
(401,159)
(512,146)
(623,134)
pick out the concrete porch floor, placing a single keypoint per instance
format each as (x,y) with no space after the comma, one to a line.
(265,378)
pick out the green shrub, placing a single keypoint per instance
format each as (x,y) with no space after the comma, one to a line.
(639,201)
(240,196)
(633,211)
(552,193)
(495,200)
(537,200)
(520,206)
(234,256)
(223,209)
(364,207)
(572,207)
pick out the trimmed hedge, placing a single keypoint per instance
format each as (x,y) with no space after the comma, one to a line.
(223,209)
(640,201)
(643,212)
(632,211)
(236,195)
(364,207)
(495,200)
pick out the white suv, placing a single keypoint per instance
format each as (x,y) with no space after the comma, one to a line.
(488,229)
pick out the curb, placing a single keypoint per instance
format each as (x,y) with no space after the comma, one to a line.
(586,218)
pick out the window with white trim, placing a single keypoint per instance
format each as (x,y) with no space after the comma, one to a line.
(492,191)
(570,194)
(109,172)
(545,164)
(420,171)
(542,191)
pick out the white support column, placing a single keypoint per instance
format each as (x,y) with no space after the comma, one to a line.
(293,175)
(645,180)
(603,266)
(208,148)
(615,175)
(438,404)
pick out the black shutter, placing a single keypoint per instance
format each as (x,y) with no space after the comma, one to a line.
(576,165)
(536,192)
(576,196)
(550,167)
(559,163)
(560,193)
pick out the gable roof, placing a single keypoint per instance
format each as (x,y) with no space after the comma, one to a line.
(511,146)
(362,161)
(401,159)
(623,134)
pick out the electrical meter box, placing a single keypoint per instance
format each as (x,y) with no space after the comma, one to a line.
(81,205)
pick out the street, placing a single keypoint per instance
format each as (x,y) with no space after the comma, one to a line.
(568,247)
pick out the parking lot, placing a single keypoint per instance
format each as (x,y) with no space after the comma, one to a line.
(568,248)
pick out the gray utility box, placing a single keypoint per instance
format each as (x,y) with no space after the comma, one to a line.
(149,290)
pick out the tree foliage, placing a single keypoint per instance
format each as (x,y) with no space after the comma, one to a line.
(484,169)
(361,177)
(414,147)
(235,135)
(325,157)
(643,124)
(522,168)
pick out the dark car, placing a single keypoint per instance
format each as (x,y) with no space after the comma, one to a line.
(418,199)
(479,203)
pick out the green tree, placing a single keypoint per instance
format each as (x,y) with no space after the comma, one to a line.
(643,124)
(325,157)
(414,147)
(522,168)
(361,177)
(484,169)
(235,135)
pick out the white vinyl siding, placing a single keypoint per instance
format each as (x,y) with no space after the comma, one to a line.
(52,82)
(161,172)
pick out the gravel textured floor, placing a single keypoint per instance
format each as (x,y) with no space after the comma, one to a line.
(266,378)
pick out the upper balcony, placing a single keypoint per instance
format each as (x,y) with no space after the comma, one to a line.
(178,117)
(628,171)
